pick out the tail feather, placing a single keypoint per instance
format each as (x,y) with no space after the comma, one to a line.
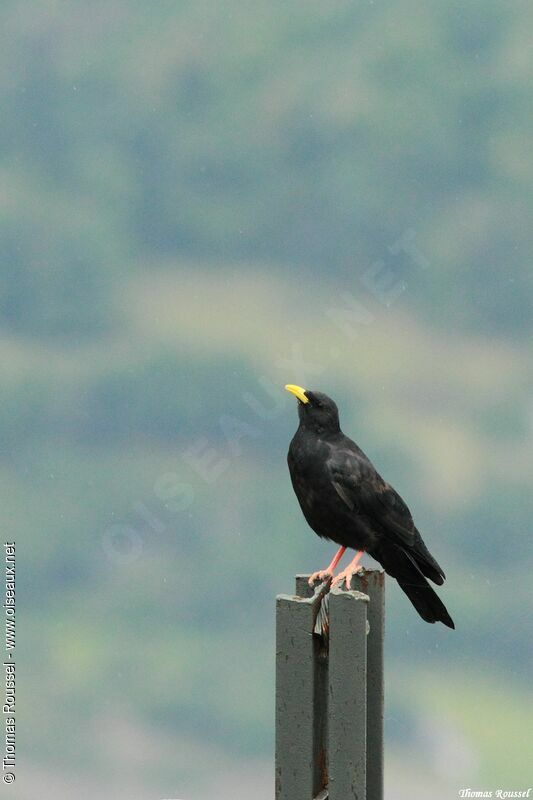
(427,603)
(425,561)
(405,567)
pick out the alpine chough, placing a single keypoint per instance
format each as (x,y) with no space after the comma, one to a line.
(343,498)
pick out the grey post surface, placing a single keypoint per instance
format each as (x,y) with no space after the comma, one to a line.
(329,692)
(347,695)
(372,583)
(300,700)
(302,588)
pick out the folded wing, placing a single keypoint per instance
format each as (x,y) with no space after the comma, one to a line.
(364,491)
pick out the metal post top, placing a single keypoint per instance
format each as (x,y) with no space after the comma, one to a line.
(329,689)
(364,580)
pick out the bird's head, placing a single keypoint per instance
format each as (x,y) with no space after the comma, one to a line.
(316,410)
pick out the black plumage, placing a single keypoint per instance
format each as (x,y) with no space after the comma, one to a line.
(344,499)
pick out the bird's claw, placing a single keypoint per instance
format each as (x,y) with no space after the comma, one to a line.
(345,575)
(320,575)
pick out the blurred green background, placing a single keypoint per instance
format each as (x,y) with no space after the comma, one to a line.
(200,202)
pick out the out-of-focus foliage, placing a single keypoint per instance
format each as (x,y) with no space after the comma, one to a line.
(190,195)
(308,135)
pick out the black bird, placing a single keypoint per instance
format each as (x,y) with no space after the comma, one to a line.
(344,499)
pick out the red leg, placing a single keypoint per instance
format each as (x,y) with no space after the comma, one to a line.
(351,569)
(328,572)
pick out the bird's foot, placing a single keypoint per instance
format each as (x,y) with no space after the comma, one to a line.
(321,575)
(346,575)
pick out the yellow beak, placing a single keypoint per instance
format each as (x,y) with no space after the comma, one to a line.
(298,392)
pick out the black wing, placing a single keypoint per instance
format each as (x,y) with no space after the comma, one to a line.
(364,491)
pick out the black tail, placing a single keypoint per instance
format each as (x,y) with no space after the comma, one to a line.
(399,564)
(425,561)
(427,603)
